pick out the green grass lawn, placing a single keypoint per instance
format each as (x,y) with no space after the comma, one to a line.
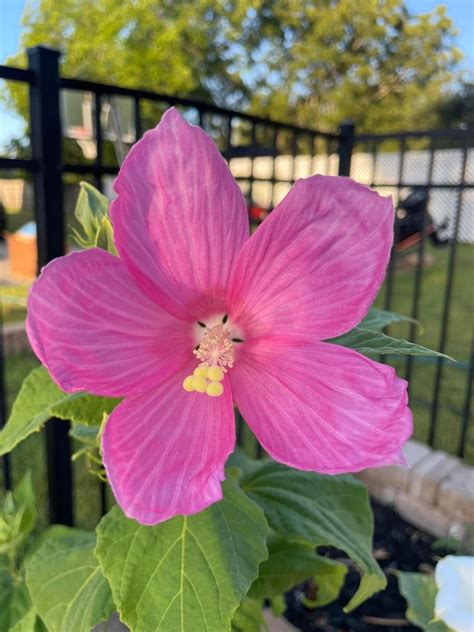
(31,454)
(454,376)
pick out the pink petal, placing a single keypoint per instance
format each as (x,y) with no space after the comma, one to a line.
(96,331)
(164,451)
(314,266)
(320,406)
(180,218)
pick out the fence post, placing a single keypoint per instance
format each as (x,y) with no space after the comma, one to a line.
(346,145)
(46,142)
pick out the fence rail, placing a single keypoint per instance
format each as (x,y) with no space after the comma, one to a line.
(239,136)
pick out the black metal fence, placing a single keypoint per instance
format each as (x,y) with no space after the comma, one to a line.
(266,158)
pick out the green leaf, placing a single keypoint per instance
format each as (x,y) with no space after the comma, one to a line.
(321,510)
(82,408)
(39,399)
(420,592)
(16,610)
(249,616)
(22,612)
(91,207)
(377,319)
(291,562)
(6,587)
(278,605)
(24,499)
(188,573)
(66,585)
(30,409)
(366,341)
(329,576)
(18,515)
(105,237)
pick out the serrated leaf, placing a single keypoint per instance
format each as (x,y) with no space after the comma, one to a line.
(187,574)
(105,237)
(420,593)
(375,342)
(39,399)
(291,562)
(249,616)
(66,585)
(377,319)
(82,408)
(30,409)
(321,510)
(91,207)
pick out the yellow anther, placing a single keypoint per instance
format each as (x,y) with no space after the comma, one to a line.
(199,384)
(201,371)
(215,389)
(188,383)
(215,374)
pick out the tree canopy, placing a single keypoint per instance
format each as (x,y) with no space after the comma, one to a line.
(313,63)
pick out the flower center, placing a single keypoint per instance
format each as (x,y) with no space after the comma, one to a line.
(216,348)
(216,353)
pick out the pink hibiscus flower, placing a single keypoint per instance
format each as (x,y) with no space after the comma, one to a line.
(195,315)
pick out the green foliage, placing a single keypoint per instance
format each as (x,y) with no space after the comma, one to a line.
(375,342)
(329,576)
(249,617)
(16,610)
(420,592)
(30,409)
(291,562)
(39,399)
(377,319)
(311,63)
(17,516)
(66,585)
(320,510)
(188,573)
(456,110)
(105,236)
(92,208)
(17,520)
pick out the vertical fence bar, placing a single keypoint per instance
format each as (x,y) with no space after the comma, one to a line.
(389,282)
(253,151)
(419,264)
(466,415)
(7,483)
(137,118)
(346,146)
(390,267)
(48,192)
(447,302)
(98,138)
(274,150)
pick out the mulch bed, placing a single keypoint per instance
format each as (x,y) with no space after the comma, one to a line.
(397,545)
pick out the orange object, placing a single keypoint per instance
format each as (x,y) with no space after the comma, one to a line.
(22,255)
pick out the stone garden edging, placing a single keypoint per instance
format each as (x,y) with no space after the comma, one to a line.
(435,493)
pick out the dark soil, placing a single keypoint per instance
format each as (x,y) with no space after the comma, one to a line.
(397,545)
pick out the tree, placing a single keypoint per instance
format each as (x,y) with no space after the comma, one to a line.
(457,110)
(314,63)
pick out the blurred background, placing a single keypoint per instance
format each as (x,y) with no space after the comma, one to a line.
(396,74)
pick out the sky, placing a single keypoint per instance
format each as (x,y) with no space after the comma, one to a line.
(460,11)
